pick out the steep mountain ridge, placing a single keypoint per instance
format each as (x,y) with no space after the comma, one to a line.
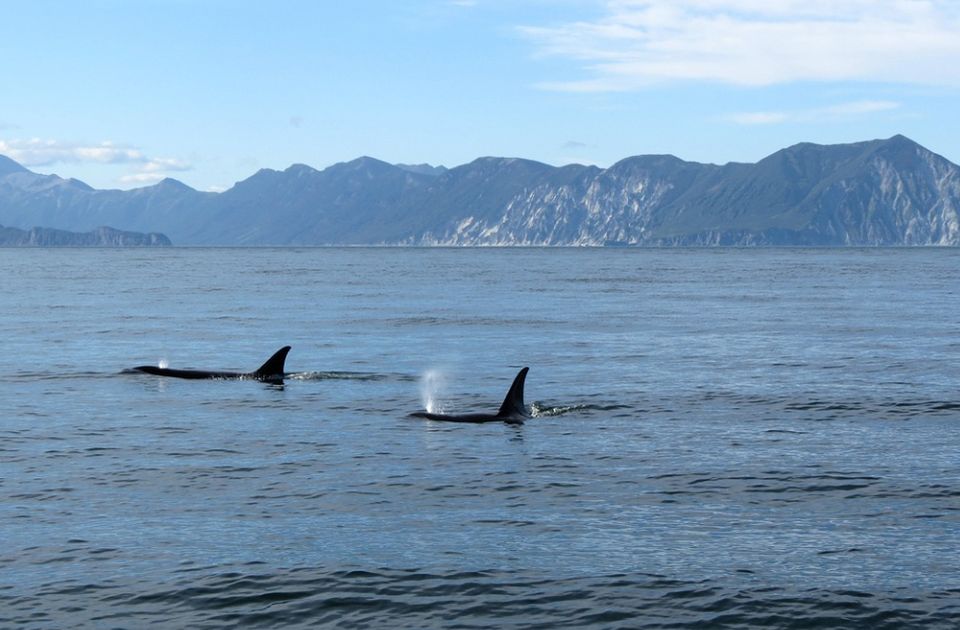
(877,192)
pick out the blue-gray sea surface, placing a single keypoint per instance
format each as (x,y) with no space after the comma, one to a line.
(721,438)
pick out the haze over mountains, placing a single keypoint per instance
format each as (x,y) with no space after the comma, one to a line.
(879,192)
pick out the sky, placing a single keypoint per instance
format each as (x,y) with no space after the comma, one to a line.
(123,93)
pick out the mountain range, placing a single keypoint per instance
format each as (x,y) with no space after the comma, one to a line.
(878,192)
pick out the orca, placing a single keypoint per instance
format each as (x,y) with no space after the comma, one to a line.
(270,372)
(512,411)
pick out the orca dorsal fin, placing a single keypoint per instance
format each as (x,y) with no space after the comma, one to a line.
(274,365)
(513,403)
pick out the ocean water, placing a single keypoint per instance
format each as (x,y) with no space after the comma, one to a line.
(721,438)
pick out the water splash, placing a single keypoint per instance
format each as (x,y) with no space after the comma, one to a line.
(432,385)
(163,364)
(541,410)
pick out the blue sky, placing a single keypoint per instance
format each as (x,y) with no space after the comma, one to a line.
(121,93)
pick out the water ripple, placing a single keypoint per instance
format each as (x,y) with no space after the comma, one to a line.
(307,597)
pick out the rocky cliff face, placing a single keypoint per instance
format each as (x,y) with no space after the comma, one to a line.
(903,195)
(891,192)
(881,192)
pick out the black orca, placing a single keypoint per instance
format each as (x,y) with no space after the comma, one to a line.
(271,371)
(512,411)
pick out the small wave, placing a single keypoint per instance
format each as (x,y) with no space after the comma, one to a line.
(461,320)
(829,409)
(27,377)
(833,552)
(253,596)
(890,409)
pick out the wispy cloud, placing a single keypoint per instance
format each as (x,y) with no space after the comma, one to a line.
(832,113)
(143,179)
(38,152)
(165,165)
(636,43)
(152,171)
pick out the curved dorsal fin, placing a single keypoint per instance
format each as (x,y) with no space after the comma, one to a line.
(513,403)
(274,365)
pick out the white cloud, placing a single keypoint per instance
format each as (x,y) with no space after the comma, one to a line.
(141,178)
(636,43)
(38,152)
(859,107)
(152,171)
(832,113)
(158,165)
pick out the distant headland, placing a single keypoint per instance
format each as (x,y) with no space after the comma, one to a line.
(100,237)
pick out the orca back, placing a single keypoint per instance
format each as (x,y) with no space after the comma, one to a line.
(513,404)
